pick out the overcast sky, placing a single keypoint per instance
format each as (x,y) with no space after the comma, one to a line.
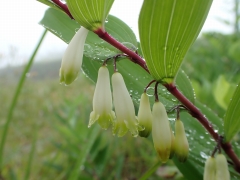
(20,30)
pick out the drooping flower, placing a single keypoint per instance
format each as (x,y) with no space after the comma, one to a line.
(161,133)
(72,58)
(145,116)
(124,108)
(102,101)
(222,167)
(210,169)
(181,142)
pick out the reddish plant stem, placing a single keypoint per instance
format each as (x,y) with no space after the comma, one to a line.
(196,113)
(193,110)
(145,89)
(63,7)
(133,56)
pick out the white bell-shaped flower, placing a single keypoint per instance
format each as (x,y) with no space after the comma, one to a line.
(222,167)
(181,142)
(161,133)
(124,108)
(145,116)
(210,169)
(72,58)
(102,100)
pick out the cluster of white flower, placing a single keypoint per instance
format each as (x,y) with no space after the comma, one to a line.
(156,121)
(124,119)
(165,143)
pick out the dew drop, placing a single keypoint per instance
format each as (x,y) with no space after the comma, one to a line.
(150,91)
(204,155)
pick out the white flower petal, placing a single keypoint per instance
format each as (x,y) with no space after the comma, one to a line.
(72,58)
(161,133)
(102,100)
(124,107)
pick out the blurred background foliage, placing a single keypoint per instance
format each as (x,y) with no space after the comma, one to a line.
(67,149)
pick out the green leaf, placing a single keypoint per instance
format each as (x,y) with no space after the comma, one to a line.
(91,13)
(189,169)
(232,116)
(185,86)
(223,91)
(50,4)
(167,29)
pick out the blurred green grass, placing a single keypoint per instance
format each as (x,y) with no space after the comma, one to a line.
(41,98)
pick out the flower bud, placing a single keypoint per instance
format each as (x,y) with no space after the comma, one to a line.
(210,169)
(222,172)
(161,133)
(102,100)
(124,108)
(72,58)
(145,116)
(181,142)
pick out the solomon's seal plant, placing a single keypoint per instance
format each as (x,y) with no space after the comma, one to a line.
(161,133)
(167,29)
